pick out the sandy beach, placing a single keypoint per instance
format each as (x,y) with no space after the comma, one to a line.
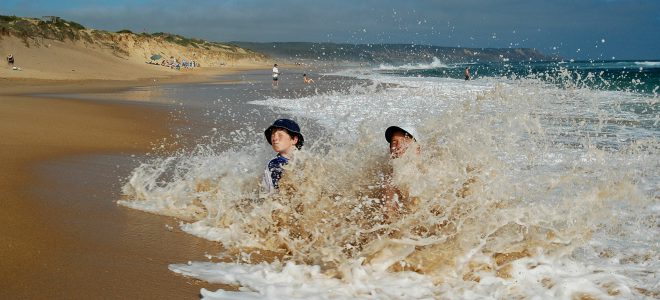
(179,150)
(63,235)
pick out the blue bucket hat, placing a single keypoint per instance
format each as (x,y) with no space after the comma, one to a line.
(290,125)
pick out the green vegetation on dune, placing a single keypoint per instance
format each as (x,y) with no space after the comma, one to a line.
(48,28)
(192,42)
(33,30)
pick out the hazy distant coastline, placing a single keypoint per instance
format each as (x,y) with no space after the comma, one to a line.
(390,53)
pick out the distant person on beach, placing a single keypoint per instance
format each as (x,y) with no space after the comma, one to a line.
(285,138)
(400,139)
(10,59)
(276,73)
(307,80)
(467,73)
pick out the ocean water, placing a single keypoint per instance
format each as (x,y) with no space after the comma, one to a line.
(536,180)
(622,75)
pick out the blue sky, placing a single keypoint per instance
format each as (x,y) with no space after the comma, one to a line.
(581,29)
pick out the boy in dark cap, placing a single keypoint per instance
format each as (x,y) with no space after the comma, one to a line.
(285,138)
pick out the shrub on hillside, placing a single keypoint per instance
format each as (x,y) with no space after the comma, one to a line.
(8,18)
(75,25)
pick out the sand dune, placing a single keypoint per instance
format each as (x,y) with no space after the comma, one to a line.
(79,60)
(71,60)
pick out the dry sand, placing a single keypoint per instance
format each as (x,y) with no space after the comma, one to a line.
(49,250)
(56,60)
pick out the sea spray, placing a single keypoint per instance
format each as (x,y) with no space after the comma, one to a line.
(521,188)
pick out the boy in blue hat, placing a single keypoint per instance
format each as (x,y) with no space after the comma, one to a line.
(285,138)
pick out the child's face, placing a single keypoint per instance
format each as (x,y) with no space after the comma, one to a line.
(281,140)
(400,143)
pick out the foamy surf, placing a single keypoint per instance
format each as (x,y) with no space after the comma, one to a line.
(291,281)
(648,64)
(523,189)
(434,64)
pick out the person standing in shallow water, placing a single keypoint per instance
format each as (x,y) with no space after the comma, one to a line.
(276,74)
(400,139)
(285,138)
(467,73)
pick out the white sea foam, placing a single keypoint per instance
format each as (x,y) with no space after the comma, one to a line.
(524,189)
(435,64)
(291,281)
(649,64)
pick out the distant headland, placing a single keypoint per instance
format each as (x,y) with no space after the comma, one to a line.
(390,53)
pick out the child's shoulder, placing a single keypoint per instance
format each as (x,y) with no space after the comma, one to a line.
(278,160)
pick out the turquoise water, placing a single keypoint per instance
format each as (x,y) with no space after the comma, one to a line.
(624,75)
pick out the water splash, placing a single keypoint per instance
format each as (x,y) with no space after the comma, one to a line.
(434,64)
(521,188)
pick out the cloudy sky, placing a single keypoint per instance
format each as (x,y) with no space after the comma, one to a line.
(582,29)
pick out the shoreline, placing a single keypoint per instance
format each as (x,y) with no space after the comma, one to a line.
(39,131)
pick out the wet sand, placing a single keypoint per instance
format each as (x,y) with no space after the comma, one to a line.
(66,149)
(63,236)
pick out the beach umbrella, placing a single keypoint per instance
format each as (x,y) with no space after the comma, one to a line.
(155,57)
